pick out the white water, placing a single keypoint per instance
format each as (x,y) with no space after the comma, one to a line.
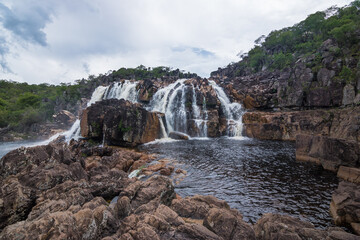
(125,90)
(171,101)
(233,112)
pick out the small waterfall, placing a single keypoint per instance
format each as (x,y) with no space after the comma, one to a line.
(171,101)
(162,127)
(200,122)
(125,90)
(233,112)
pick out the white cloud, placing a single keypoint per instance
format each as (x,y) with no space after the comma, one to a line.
(67,40)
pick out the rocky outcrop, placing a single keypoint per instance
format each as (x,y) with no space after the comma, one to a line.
(275,226)
(345,205)
(331,153)
(120,123)
(305,84)
(336,123)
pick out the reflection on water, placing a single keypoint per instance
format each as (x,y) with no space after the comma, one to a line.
(253,176)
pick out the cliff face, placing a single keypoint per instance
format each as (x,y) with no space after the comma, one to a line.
(306,84)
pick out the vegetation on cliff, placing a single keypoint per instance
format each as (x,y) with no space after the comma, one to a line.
(282,48)
(22,104)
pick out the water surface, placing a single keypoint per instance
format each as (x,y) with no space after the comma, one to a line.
(253,176)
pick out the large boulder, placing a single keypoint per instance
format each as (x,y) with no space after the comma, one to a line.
(345,205)
(120,123)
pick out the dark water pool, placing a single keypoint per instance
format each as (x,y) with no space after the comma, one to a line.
(253,176)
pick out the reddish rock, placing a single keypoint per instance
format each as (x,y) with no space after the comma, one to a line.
(274,226)
(329,152)
(345,204)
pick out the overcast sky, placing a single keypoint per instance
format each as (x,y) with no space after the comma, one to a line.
(55,41)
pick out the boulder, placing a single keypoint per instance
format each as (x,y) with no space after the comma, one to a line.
(349,174)
(275,226)
(345,204)
(120,123)
(348,95)
(178,136)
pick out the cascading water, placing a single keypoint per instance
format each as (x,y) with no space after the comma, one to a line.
(171,101)
(180,115)
(126,90)
(233,112)
(200,122)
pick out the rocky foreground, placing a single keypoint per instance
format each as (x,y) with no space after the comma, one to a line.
(79,191)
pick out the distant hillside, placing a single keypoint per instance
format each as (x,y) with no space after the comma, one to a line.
(282,48)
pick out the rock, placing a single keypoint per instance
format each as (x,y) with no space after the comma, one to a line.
(65,118)
(275,226)
(348,95)
(349,174)
(228,225)
(178,136)
(167,171)
(335,123)
(329,152)
(120,123)
(16,201)
(345,204)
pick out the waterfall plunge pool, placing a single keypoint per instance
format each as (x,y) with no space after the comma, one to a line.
(253,176)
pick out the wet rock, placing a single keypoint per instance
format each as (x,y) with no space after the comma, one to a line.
(120,123)
(345,204)
(178,136)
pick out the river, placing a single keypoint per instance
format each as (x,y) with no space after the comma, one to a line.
(253,176)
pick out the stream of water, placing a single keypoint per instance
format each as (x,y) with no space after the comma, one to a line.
(253,176)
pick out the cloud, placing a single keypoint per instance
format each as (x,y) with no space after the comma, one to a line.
(60,41)
(26,20)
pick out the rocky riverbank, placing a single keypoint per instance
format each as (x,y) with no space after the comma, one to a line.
(62,191)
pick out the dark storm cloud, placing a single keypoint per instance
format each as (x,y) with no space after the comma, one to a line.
(26,21)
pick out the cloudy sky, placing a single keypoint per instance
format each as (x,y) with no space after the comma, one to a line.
(57,41)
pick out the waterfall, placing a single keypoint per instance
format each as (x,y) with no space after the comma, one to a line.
(233,112)
(171,100)
(200,122)
(180,115)
(126,90)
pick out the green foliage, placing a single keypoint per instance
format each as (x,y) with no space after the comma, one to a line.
(282,60)
(347,75)
(142,72)
(305,38)
(123,129)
